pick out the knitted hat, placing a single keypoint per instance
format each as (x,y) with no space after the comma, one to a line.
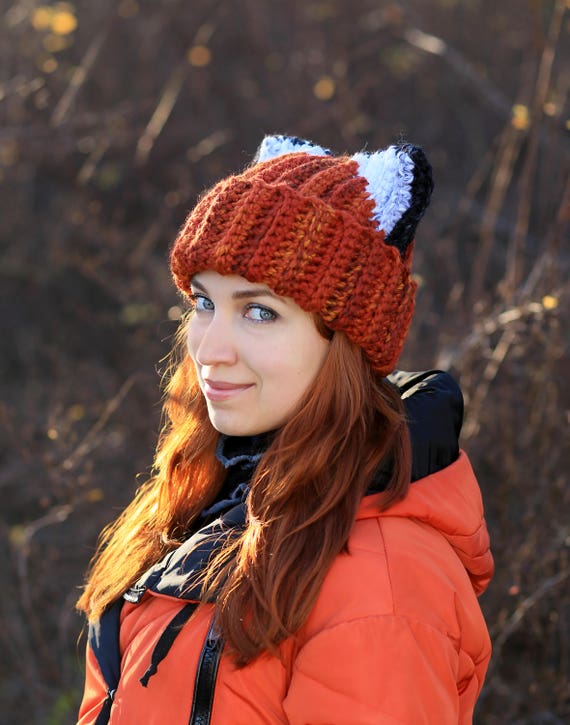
(334,233)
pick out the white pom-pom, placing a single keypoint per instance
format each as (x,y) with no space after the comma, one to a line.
(273,146)
(389,174)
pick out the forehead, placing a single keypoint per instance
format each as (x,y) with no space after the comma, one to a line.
(213,281)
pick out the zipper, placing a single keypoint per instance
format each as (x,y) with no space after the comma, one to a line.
(206,678)
(105,711)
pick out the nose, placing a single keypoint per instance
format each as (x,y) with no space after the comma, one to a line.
(212,342)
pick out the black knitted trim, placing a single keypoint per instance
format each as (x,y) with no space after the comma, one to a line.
(402,235)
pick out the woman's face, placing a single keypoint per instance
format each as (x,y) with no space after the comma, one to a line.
(255,354)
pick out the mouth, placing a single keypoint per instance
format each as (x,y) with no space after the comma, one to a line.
(219,390)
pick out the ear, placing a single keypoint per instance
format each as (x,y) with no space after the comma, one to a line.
(400,183)
(273,146)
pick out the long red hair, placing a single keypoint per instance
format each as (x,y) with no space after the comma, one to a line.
(301,507)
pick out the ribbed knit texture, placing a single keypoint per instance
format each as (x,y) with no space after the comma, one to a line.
(303,225)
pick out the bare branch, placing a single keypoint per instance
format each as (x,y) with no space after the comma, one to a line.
(90,441)
(514,262)
(78,78)
(161,113)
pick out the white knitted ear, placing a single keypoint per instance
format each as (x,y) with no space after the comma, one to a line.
(273,146)
(389,174)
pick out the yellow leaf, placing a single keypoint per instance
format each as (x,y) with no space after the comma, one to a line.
(324,88)
(418,279)
(52,434)
(199,56)
(174,313)
(76,412)
(94,495)
(549,302)
(41,18)
(55,43)
(63,22)
(48,65)
(550,108)
(17,535)
(520,117)
(136,313)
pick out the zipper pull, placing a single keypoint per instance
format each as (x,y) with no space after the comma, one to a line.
(134,594)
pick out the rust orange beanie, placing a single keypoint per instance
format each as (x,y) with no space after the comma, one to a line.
(334,233)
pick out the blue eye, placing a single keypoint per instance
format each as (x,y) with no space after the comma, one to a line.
(257,313)
(201,303)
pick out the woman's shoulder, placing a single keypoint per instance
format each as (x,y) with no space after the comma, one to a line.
(424,559)
(393,568)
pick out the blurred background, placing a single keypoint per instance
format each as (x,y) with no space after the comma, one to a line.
(116,115)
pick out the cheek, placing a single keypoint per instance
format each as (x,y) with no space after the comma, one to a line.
(311,356)
(192,341)
(294,368)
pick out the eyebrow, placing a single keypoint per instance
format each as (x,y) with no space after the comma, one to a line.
(242,294)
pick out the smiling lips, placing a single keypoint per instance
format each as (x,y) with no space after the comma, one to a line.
(217,390)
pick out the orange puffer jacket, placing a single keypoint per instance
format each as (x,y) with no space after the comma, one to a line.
(396,635)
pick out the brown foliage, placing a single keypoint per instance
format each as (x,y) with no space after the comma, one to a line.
(115,116)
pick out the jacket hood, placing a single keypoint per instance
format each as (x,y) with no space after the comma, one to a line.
(449,501)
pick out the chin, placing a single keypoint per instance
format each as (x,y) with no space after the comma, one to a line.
(239,428)
(232,428)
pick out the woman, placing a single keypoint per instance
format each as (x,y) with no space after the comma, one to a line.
(312,543)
